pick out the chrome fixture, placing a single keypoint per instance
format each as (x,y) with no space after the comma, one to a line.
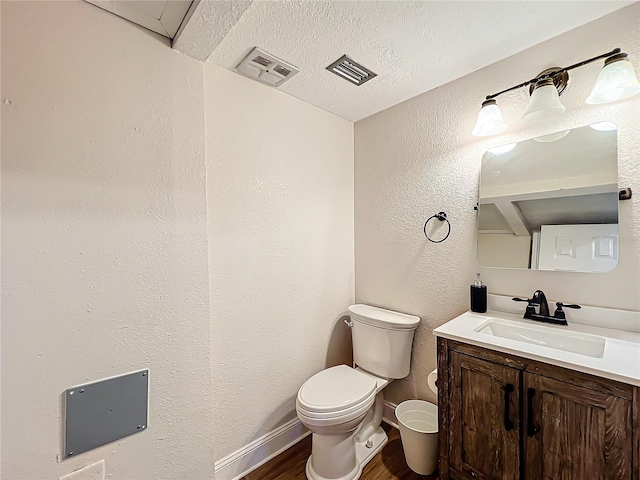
(617,81)
(539,299)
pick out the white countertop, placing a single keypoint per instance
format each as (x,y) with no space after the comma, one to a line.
(620,360)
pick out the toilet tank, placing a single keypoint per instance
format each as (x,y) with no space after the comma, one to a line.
(382,340)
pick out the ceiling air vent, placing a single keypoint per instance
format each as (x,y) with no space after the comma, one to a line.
(266,68)
(351,70)
(261,60)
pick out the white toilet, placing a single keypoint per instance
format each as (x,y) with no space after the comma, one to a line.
(342,406)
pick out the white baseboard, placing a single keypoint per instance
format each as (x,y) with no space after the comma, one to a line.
(260,451)
(389,414)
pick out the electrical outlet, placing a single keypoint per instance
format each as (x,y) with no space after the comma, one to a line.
(92,472)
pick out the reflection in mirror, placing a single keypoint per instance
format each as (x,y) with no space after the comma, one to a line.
(551,202)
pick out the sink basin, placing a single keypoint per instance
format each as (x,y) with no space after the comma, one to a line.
(574,342)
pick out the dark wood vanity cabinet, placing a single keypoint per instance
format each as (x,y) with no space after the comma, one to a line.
(503,417)
(573,432)
(484,409)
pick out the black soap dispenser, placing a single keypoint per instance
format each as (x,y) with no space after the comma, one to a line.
(478,296)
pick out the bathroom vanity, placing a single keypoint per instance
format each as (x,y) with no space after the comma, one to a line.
(523,400)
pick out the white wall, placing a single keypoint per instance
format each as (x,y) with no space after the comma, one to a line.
(104,240)
(419,158)
(280,203)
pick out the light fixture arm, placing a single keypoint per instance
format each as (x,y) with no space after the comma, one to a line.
(553,73)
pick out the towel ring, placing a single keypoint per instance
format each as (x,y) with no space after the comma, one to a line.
(443,218)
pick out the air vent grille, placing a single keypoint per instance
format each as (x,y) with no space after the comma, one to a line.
(261,60)
(281,70)
(352,71)
(266,68)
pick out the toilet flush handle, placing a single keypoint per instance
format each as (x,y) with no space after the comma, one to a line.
(348,322)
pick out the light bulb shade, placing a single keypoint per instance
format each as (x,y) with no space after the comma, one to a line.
(617,80)
(544,102)
(489,121)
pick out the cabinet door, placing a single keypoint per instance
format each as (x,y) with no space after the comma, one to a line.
(573,433)
(484,418)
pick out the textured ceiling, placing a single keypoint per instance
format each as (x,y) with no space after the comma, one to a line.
(412,46)
(196,36)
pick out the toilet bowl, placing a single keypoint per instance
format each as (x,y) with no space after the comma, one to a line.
(342,406)
(334,404)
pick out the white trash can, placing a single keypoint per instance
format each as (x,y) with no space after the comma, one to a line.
(418,421)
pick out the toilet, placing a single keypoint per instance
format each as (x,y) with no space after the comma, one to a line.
(342,406)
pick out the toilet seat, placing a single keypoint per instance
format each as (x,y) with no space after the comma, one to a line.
(335,395)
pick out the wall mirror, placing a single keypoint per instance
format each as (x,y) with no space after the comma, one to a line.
(551,202)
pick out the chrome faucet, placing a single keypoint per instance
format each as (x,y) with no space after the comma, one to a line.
(539,299)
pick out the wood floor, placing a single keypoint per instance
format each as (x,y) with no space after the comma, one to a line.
(389,464)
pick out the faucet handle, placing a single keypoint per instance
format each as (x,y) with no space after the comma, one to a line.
(531,306)
(529,301)
(559,313)
(570,305)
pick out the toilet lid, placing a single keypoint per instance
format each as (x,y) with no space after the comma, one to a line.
(336,389)
(381,318)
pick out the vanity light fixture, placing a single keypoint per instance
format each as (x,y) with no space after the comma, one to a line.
(616,81)
(544,102)
(490,120)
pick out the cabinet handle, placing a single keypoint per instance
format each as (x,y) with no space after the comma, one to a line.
(531,428)
(508,423)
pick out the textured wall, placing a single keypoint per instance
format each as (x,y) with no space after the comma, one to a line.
(419,157)
(280,203)
(104,241)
